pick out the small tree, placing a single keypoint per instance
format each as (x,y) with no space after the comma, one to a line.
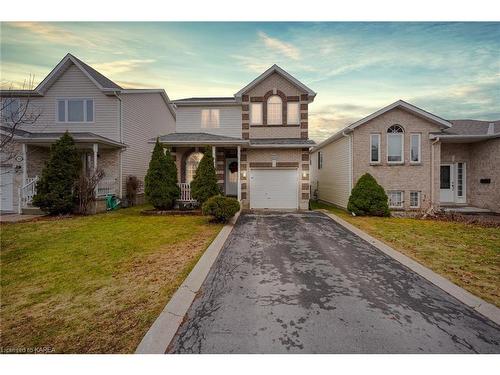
(132,186)
(86,189)
(204,184)
(160,183)
(55,191)
(368,198)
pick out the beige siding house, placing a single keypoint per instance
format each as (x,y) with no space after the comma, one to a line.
(421,160)
(259,138)
(111,126)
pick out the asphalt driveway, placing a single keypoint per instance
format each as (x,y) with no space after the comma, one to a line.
(300,283)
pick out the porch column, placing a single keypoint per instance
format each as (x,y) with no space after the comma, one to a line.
(95,148)
(25,163)
(214,156)
(239,173)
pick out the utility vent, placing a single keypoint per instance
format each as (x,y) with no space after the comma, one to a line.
(485,180)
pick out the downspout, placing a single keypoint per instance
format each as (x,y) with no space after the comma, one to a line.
(350,158)
(120,132)
(432,171)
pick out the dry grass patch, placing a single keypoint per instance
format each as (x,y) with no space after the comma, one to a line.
(466,254)
(94,284)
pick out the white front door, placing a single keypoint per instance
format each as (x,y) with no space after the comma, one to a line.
(274,188)
(6,188)
(446,183)
(232,177)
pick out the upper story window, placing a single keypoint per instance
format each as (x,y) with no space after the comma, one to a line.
(374,148)
(210,118)
(415,147)
(293,113)
(256,113)
(75,110)
(395,144)
(11,108)
(274,110)
(320,160)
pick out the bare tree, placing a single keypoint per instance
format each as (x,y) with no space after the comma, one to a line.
(86,189)
(16,111)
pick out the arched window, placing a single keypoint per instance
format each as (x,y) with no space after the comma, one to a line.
(192,163)
(395,144)
(274,110)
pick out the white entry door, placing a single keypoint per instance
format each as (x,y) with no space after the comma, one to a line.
(6,188)
(274,188)
(232,177)
(446,183)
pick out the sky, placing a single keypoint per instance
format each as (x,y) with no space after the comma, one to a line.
(449,69)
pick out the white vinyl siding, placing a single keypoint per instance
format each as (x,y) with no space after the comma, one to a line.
(256,113)
(333,180)
(293,113)
(189,121)
(10,109)
(415,148)
(396,198)
(374,148)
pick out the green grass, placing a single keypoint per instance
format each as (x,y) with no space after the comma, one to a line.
(468,255)
(96,283)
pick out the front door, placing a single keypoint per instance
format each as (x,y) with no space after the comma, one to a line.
(232,176)
(446,188)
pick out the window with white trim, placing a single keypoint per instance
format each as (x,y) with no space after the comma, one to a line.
(415,141)
(395,198)
(75,110)
(192,162)
(395,144)
(320,160)
(274,110)
(210,118)
(11,108)
(374,148)
(414,199)
(293,113)
(256,113)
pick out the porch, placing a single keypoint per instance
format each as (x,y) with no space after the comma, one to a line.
(94,153)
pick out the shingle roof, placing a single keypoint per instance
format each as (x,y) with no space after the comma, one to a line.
(101,79)
(50,136)
(209,98)
(282,141)
(473,127)
(197,138)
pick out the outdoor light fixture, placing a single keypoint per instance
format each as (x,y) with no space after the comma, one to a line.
(244,174)
(304,174)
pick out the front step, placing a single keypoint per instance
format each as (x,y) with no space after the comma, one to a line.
(30,210)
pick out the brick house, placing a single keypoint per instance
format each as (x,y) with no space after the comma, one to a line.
(259,139)
(421,160)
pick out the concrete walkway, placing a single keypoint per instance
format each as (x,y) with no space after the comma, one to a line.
(301,283)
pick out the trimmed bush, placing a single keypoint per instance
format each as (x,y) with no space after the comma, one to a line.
(55,191)
(160,183)
(204,184)
(368,198)
(221,208)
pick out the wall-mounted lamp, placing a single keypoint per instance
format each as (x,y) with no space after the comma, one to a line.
(304,174)
(244,174)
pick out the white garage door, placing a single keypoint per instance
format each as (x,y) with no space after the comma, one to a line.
(6,188)
(274,188)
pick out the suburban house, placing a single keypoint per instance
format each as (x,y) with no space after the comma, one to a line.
(111,127)
(420,159)
(259,140)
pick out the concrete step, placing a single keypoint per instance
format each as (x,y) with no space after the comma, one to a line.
(30,210)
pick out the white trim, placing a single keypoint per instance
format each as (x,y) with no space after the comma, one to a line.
(66,114)
(402,161)
(24,148)
(419,194)
(371,145)
(280,120)
(419,135)
(261,121)
(402,198)
(463,198)
(287,113)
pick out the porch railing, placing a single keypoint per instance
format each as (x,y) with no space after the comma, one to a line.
(106,186)
(185,192)
(27,192)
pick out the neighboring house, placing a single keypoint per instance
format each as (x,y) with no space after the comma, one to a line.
(111,127)
(421,160)
(259,138)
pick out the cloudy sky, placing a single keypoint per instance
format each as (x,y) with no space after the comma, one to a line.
(450,69)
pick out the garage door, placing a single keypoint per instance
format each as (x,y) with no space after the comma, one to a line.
(6,188)
(274,188)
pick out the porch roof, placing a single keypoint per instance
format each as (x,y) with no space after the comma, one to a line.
(23,136)
(281,142)
(198,138)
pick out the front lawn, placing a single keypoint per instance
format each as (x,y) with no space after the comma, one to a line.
(468,255)
(96,283)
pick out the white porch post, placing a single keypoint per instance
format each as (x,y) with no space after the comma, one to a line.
(95,148)
(214,157)
(239,173)
(25,163)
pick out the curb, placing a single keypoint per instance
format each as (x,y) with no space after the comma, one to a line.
(164,328)
(484,308)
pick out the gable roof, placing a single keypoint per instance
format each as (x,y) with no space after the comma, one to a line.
(442,123)
(275,69)
(102,82)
